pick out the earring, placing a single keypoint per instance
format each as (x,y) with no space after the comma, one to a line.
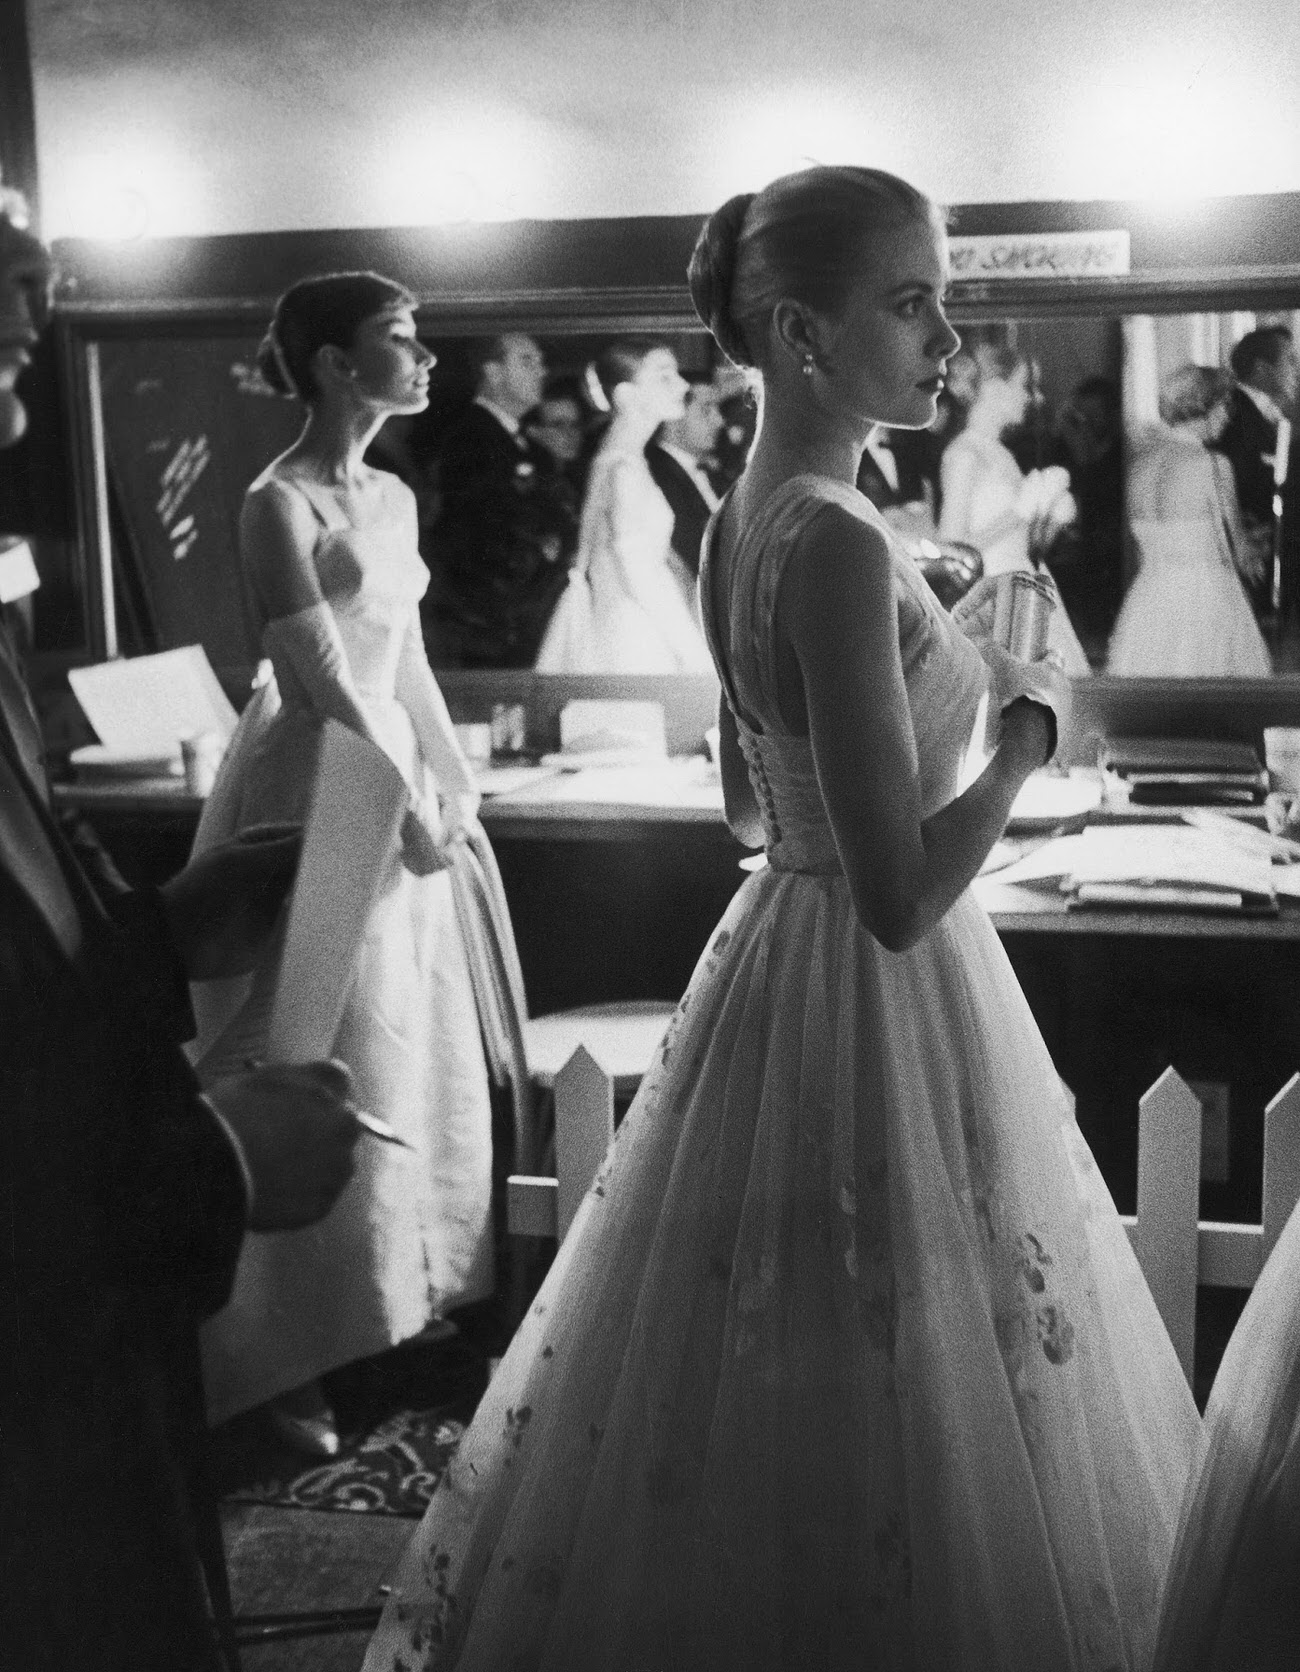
(807,365)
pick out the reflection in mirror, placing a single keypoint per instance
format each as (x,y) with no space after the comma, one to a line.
(1138,461)
(564,484)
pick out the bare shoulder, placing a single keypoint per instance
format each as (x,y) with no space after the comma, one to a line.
(839,564)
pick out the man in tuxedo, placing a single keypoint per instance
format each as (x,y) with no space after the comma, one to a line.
(676,456)
(505,534)
(1267,370)
(126,1191)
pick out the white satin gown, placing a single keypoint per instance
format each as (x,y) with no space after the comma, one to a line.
(411,1235)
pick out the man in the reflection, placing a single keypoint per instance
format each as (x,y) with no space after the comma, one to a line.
(1267,371)
(677,455)
(505,532)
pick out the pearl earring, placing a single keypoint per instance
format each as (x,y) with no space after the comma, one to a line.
(807,365)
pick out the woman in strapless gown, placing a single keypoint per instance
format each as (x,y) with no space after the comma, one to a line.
(987,500)
(846,1361)
(334,578)
(1186,613)
(629,606)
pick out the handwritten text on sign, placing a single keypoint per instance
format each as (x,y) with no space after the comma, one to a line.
(1040,255)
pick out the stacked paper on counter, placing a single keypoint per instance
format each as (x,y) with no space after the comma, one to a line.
(1156,866)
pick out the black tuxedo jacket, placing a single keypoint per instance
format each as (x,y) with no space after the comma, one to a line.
(1248,441)
(690,509)
(121,1216)
(501,547)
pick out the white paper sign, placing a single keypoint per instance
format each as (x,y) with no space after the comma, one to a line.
(357,805)
(1039,255)
(144,704)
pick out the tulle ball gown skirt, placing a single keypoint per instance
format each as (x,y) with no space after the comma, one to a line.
(845,1363)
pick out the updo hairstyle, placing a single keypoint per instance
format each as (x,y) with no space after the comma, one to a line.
(1191,392)
(803,238)
(324,310)
(618,362)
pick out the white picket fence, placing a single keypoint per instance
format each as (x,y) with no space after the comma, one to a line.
(1176,1249)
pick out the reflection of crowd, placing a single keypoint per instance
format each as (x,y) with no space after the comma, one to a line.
(516,540)
(1002,479)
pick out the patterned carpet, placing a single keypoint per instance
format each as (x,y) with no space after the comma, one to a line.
(400,1418)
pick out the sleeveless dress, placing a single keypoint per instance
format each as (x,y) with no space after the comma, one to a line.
(1186,613)
(846,1361)
(411,1234)
(995,493)
(627,607)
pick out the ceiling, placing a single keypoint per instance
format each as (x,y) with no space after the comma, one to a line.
(193,116)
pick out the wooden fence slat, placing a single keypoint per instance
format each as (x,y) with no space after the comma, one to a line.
(530,1205)
(584,1130)
(1168,1201)
(1228,1254)
(1281,1162)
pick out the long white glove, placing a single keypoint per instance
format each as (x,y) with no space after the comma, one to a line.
(417,691)
(310,643)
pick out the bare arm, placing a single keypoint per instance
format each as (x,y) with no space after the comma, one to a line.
(737,792)
(836,607)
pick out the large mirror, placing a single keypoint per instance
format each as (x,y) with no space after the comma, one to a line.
(1125,443)
(1133,457)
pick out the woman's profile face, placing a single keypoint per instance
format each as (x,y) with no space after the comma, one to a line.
(390,362)
(660,387)
(888,348)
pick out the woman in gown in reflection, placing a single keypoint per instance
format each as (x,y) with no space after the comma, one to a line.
(846,1360)
(987,500)
(1186,612)
(629,606)
(333,579)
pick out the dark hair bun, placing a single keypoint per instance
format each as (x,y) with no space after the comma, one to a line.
(712,274)
(270,363)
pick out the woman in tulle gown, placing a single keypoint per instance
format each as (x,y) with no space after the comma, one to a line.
(846,1361)
(1232,1602)
(987,500)
(629,606)
(333,579)
(1186,613)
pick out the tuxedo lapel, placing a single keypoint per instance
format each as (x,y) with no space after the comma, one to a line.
(33,854)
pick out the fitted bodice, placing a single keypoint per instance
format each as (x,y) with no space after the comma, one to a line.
(1182,543)
(372,577)
(943,673)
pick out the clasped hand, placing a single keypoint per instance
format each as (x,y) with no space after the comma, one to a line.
(429,834)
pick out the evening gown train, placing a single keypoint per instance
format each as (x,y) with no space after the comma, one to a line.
(411,1234)
(846,1361)
(629,604)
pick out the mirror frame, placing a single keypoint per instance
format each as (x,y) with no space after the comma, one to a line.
(1125,704)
